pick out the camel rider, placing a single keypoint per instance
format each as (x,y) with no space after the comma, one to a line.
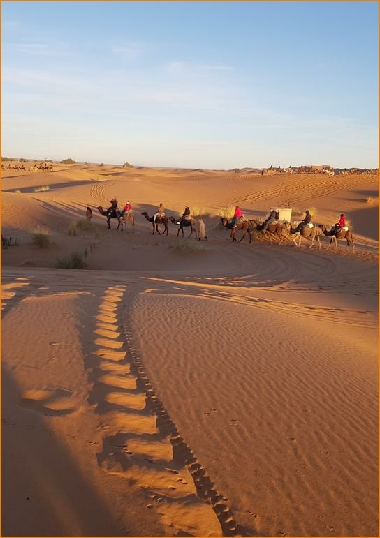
(340,224)
(186,214)
(272,217)
(160,212)
(237,215)
(113,209)
(305,222)
(127,208)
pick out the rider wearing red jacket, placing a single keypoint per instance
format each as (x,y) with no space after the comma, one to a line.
(342,221)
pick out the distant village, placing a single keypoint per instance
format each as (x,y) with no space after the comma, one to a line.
(10,163)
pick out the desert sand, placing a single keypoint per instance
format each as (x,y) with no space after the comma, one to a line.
(177,387)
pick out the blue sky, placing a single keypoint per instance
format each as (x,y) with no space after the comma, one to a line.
(191,84)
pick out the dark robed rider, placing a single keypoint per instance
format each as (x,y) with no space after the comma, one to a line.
(113,209)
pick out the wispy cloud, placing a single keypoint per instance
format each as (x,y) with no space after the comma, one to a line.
(192,68)
(128,50)
(39,49)
(38,79)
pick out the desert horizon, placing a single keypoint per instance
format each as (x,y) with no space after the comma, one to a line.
(160,385)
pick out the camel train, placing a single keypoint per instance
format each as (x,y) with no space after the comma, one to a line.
(277,227)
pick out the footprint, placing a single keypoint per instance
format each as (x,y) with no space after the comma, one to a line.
(48,402)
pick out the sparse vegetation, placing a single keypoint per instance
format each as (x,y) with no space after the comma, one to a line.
(198,211)
(42,188)
(313,212)
(74,261)
(17,191)
(227,212)
(127,165)
(41,238)
(68,161)
(80,226)
(369,200)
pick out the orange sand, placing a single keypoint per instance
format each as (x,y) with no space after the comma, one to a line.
(188,388)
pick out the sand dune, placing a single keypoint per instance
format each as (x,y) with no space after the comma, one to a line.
(178,387)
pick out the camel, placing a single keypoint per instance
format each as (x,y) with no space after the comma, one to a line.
(274,229)
(340,234)
(111,213)
(159,220)
(312,234)
(125,217)
(183,223)
(243,225)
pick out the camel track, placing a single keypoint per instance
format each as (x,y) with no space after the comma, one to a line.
(141,440)
(142,434)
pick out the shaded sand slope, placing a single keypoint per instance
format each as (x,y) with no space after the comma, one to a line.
(83,453)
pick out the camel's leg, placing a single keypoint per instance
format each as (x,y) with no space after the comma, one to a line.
(109,223)
(319,243)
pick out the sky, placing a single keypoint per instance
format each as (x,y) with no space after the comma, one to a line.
(214,85)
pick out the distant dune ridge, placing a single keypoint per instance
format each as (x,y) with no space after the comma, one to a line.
(160,386)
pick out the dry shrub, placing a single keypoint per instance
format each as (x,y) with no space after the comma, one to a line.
(41,238)
(74,261)
(369,200)
(198,211)
(42,188)
(226,212)
(80,226)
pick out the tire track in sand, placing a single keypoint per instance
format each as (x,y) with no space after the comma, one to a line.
(141,442)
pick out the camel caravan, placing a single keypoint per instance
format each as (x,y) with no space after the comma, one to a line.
(126,215)
(44,167)
(278,227)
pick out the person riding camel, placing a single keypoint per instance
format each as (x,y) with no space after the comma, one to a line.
(113,209)
(237,216)
(185,215)
(340,224)
(305,222)
(271,218)
(160,212)
(127,207)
